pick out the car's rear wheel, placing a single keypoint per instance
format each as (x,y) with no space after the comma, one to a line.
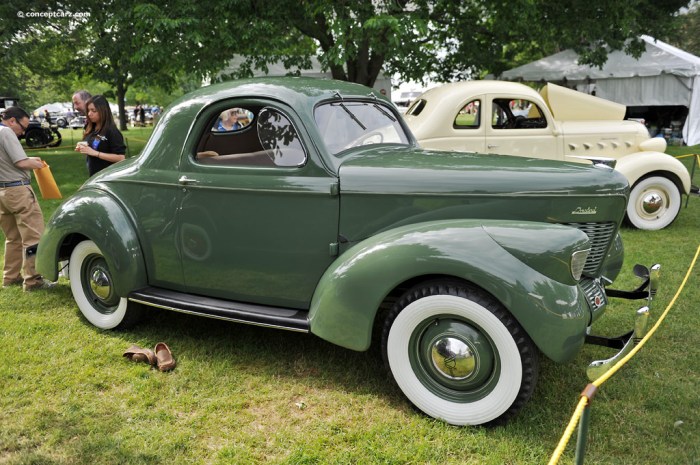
(92,284)
(655,202)
(36,137)
(458,355)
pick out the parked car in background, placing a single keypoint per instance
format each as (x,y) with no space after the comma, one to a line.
(319,213)
(404,99)
(78,122)
(38,134)
(557,123)
(64,118)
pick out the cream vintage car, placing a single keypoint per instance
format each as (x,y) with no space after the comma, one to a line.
(557,123)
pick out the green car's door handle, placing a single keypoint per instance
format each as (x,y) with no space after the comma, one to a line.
(185,180)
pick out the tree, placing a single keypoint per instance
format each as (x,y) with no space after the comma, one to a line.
(144,43)
(457,39)
(36,56)
(687,35)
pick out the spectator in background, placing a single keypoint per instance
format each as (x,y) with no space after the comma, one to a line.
(228,121)
(20,214)
(80,99)
(47,116)
(102,143)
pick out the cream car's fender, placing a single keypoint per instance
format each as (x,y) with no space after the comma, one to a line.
(639,164)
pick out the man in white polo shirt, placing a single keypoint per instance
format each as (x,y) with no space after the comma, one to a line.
(20,214)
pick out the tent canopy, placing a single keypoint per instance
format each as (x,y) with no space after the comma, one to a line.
(662,75)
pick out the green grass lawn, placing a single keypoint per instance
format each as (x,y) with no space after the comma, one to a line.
(242,394)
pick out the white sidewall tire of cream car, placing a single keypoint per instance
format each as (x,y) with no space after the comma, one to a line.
(661,189)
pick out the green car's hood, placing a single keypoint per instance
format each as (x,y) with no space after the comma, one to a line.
(382,188)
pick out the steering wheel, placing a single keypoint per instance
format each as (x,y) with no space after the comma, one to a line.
(374,137)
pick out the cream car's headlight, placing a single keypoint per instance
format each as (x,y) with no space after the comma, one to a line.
(578,261)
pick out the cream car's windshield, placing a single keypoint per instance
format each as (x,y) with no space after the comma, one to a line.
(347,124)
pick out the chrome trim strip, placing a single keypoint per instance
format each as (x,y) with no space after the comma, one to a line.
(217,317)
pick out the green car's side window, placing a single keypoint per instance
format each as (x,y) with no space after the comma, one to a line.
(280,139)
(251,136)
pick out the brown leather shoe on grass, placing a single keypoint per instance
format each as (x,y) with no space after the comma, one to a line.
(137,354)
(166,362)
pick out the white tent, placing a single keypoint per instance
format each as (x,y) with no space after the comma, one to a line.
(663,75)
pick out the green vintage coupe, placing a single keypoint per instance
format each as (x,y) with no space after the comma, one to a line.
(307,205)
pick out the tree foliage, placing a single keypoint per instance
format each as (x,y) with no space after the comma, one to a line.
(459,39)
(687,35)
(146,44)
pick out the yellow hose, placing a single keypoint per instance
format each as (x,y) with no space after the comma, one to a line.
(584,400)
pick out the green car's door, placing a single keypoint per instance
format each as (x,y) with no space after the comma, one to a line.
(258,214)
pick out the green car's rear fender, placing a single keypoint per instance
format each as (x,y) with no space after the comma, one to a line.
(523,265)
(97,216)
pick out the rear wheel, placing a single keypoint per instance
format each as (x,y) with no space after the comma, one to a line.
(36,137)
(458,355)
(654,203)
(92,284)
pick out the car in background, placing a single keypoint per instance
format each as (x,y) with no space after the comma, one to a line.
(78,122)
(63,119)
(557,123)
(318,213)
(404,99)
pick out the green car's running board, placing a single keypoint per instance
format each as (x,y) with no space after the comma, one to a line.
(625,343)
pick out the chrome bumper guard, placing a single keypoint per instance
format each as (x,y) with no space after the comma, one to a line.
(626,342)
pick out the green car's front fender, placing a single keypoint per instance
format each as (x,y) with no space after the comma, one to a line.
(516,262)
(97,216)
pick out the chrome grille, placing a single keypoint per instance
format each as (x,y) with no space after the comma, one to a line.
(601,236)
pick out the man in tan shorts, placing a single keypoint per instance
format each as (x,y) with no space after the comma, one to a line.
(20,214)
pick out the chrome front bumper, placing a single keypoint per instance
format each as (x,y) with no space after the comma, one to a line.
(625,343)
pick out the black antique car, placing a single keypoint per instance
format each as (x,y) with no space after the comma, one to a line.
(38,134)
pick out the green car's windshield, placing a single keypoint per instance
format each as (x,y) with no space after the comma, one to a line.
(346,124)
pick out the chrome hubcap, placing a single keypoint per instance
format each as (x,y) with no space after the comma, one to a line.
(100,284)
(652,203)
(453,358)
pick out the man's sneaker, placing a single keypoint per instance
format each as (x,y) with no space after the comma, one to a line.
(41,285)
(16,282)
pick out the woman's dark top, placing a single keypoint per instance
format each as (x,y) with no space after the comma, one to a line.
(111,142)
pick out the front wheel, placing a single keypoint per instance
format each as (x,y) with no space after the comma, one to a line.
(654,203)
(458,355)
(92,284)
(35,138)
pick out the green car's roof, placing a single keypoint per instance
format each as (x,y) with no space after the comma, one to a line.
(296,91)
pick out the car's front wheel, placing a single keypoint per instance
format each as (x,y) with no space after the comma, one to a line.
(458,355)
(654,203)
(36,137)
(92,284)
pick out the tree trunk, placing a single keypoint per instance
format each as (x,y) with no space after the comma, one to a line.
(121,101)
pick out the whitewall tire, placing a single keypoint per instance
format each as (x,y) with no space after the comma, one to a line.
(654,203)
(91,282)
(458,355)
